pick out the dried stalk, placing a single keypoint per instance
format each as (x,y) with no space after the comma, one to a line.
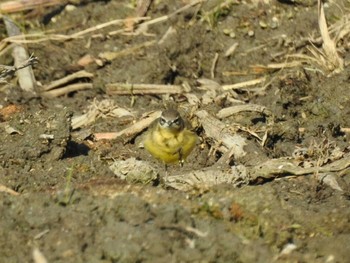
(244,84)
(226,112)
(218,131)
(171,31)
(38,256)
(58,37)
(258,69)
(257,174)
(67,89)
(329,45)
(18,6)
(39,37)
(26,77)
(282,167)
(67,79)
(142,7)
(209,177)
(109,56)
(140,89)
(4,189)
(166,17)
(131,131)
(100,109)
(110,23)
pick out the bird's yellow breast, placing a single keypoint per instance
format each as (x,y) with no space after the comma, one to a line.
(168,145)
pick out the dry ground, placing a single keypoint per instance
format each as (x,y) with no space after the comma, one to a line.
(58,197)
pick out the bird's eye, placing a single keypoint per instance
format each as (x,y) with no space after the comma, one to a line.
(177,122)
(162,121)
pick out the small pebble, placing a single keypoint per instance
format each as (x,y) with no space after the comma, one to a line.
(70,8)
(262,24)
(227,31)
(274,23)
(232,35)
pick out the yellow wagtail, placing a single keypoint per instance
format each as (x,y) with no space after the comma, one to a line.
(168,138)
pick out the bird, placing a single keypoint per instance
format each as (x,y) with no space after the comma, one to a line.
(169,140)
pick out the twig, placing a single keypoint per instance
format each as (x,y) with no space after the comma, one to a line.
(9,71)
(41,234)
(166,17)
(213,65)
(140,89)
(231,50)
(110,23)
(171,31)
